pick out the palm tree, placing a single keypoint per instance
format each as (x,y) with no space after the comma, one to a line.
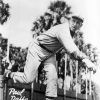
(4,12)
(60,8)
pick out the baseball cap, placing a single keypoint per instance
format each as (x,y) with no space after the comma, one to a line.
(78,17)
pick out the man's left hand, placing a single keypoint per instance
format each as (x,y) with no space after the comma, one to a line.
(89,64)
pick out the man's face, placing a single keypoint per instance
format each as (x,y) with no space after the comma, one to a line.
(75,24)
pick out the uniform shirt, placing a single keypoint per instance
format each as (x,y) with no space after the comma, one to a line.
(58,37)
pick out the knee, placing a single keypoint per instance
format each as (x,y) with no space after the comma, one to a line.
(28,79)
(21,77)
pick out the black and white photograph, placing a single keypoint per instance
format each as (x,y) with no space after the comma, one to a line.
(49,50)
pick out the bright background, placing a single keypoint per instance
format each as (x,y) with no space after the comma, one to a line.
(24,12)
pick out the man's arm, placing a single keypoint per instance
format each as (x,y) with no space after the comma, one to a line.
(66,40)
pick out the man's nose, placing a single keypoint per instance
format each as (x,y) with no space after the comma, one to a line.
(74,23)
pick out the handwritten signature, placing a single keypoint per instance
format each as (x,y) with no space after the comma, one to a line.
(14,92)
(20,98)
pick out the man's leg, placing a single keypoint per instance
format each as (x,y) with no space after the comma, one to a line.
(30,69)
(51,78)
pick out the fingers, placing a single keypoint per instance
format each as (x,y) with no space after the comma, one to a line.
(7,72)
(89,64)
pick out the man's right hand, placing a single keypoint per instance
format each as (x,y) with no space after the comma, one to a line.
(6,73)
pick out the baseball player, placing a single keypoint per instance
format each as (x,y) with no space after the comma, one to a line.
(45,46)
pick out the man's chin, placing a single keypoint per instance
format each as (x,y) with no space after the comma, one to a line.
(72,29)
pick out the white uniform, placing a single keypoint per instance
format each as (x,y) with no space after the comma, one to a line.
(53,40)
(51,76)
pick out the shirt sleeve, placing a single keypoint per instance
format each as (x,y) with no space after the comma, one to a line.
(66,40)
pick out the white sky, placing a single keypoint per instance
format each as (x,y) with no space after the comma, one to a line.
(23,12)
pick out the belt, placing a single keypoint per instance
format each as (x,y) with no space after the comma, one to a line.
(42,46)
